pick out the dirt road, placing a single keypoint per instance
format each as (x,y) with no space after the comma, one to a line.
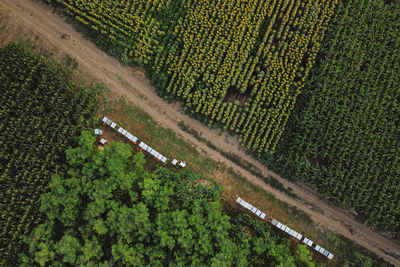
(39,19)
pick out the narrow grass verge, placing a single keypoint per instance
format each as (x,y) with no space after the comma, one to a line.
(238,161)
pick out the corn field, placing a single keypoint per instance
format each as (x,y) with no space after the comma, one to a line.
(345,140)
(41,113)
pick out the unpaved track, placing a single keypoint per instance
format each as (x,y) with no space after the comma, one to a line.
(40,20)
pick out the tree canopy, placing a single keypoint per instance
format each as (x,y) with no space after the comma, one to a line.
(109,210)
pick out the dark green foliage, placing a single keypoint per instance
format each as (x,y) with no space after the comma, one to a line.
(351,254)
(248,81)
(303,256)
(42,110)
(70,62)
(261,253)
(109,210)
(344,137)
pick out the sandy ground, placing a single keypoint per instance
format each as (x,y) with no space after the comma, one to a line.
(41,21)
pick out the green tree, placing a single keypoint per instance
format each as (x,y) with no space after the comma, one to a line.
(68,247)
(303,256)
(109,210)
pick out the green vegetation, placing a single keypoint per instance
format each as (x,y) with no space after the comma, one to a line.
(168,143)
(42,111)
(233,70)
(108,210)
(135,119)
(239,65)
(344,136)
(152,132)
(350,254)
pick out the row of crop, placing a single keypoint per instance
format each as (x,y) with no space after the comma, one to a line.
(263,49)
(269,83)
(344,140)
(40,117)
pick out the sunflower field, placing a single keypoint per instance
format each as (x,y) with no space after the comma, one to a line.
(236,64)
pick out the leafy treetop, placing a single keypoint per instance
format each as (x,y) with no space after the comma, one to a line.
(108,210)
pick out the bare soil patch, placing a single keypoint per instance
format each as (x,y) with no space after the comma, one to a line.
(233,95)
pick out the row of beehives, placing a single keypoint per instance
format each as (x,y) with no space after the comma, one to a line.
(306,241)
(251,208)
(143,146)
(285,228)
